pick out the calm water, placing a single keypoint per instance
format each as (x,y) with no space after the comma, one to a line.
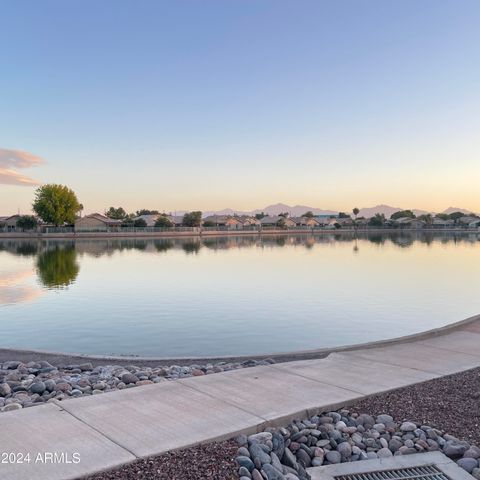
(232,295)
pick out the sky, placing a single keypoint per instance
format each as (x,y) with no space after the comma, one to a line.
(243,103)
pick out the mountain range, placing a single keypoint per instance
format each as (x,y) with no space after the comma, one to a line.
(298,210)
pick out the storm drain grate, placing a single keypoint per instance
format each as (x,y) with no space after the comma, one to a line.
(427,472)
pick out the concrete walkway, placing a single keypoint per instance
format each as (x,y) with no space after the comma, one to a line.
(111,429)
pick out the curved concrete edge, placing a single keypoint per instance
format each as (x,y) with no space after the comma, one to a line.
(279,357)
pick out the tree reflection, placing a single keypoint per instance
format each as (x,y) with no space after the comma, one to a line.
(58,267)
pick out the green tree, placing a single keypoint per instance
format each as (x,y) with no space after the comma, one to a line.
(377,221)
(259,216)
(139,222)
(192,219)
(56,204)
(308,214)
(455,216)
(58,268)
(116,213)
(27,222)
(164,222)
(443,216)
(282,224)
(402,214)
(144,211)
(343,215)
(209,223)
(356,211)
(427,218)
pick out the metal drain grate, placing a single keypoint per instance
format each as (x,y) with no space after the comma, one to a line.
(427,472)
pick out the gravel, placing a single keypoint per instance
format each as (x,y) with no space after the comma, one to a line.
(450,403)
(213,461)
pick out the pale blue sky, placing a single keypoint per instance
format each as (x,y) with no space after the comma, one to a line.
(213,104)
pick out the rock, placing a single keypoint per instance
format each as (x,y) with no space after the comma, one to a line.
(258,455)
(472,452)
(63,387)
(11,365)
(476,473)
(256,475)
(384,419)
(276,462)
(345,450)
(333,456)
(289,459)
(408,427)
(245,462)
(262,437)
(37,387)
(244,473)
(468,464)
(5,389)
(278,444)
(272,473)
(304,458)
(128,378)
(49,385)
(85,367)
(384,453)
(241,440)
(454,450)
(243,451)
(11,407)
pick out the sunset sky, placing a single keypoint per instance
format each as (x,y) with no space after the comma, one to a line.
(242,103)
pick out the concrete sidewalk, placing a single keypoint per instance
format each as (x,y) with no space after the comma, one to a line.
(111,429)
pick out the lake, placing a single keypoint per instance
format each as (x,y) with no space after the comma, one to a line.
(232,295)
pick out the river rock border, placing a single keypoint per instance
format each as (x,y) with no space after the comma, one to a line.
(34,383)
(335,437)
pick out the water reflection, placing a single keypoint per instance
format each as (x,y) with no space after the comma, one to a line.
(58,267)
(17,287)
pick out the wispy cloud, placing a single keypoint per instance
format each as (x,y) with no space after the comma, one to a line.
(11,160)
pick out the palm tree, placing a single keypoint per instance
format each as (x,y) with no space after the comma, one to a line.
(356,211)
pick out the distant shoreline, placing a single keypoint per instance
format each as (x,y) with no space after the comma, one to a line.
(208,233)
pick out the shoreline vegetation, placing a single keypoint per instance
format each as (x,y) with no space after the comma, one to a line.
(199,232)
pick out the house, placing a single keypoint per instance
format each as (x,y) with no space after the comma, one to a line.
(440,223)
(309,222)
(9,223)
(474,224)
(276,220)
(248,221)
(416,224)
(467,220)
(225,221)
(177,220)
(96,222)
(344,221)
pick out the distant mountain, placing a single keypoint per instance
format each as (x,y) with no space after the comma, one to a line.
(276,209)
(297,210)
(450,210)
(386,210)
